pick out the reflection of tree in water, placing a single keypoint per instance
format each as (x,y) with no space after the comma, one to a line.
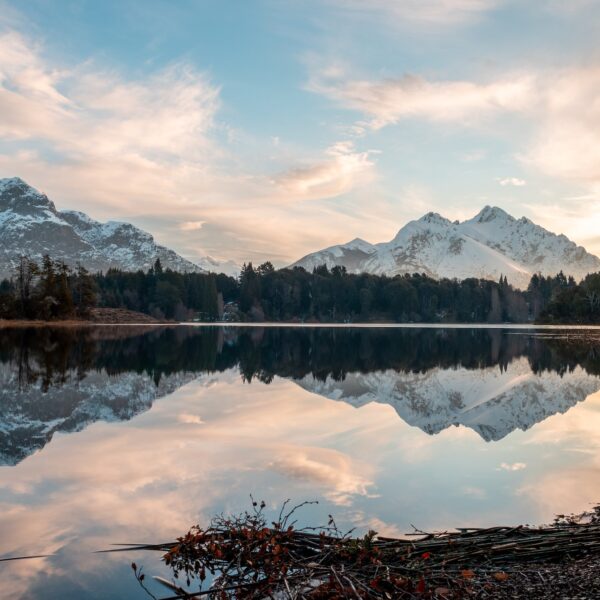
(53,356)
(62,379)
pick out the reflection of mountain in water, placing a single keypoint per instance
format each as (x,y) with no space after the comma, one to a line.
(491,401)
(64,379)
(29,418)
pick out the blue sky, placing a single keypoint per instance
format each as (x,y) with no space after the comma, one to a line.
(269,129)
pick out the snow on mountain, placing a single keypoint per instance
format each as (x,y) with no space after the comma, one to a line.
(353,255)
(30,224)
(213,265)
(491,401)
(491,244)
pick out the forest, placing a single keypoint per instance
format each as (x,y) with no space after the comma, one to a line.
(54,291)
(337,296)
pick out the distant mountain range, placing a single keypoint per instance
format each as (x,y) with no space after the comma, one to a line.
(491,244)
(30,224)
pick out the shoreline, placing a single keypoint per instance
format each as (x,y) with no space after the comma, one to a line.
(74,323)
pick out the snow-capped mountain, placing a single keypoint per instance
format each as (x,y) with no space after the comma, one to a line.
(213,265)
(491,244)
(30,224)
(491,401)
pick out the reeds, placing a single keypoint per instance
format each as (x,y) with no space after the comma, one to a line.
(244,557)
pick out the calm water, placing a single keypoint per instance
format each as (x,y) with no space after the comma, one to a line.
(128,435)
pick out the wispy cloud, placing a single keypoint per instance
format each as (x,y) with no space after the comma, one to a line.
(149,150)
(436,12)
(388,101)
(567,143)
(561,108)
(512,181)
(89,113)
(342,169)
(518,466)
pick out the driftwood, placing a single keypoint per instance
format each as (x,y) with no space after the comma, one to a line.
(243,557)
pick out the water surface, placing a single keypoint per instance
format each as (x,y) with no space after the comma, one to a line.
(129,434)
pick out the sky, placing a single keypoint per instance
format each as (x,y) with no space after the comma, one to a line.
(268,129)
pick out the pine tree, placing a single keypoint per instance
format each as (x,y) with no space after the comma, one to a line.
(84,292)
(27,270)
(64,295)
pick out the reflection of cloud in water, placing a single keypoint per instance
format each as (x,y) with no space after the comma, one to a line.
(153,477)
(325,468)
(207,446)
(573,485)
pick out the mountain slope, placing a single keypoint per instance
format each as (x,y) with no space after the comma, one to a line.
(491,244)
(30,224)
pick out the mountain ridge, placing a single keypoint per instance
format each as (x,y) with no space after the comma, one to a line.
(31,224)
(491,244)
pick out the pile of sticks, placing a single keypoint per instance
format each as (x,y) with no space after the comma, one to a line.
(243,557)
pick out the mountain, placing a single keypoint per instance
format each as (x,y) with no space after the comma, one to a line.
(491,244)
(30,224)
(213,265)
(491,401)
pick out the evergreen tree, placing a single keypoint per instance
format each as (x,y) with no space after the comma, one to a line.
(84,293)
(64,295)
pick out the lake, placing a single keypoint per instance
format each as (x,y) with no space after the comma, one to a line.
(133,434)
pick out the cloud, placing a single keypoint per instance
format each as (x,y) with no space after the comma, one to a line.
(152,151)
(567,143)
(191,225)
(90,114)
(518,466)
(561,109)
(388,101)
(473,492)
(432,12)
(329,469)
(514,181)
(342,170)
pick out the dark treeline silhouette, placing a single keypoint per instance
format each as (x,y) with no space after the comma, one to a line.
(48,291)
(335,295)
(570,303)
(52,290)
(51,357)
(163,293)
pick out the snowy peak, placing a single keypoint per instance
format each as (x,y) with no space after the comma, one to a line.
(492,213)
(30,224)
(434,219)
(491,244)
(360,244)
(20,197)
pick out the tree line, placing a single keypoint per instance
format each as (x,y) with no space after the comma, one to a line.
(334,295)
(48,291)
(53,290)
